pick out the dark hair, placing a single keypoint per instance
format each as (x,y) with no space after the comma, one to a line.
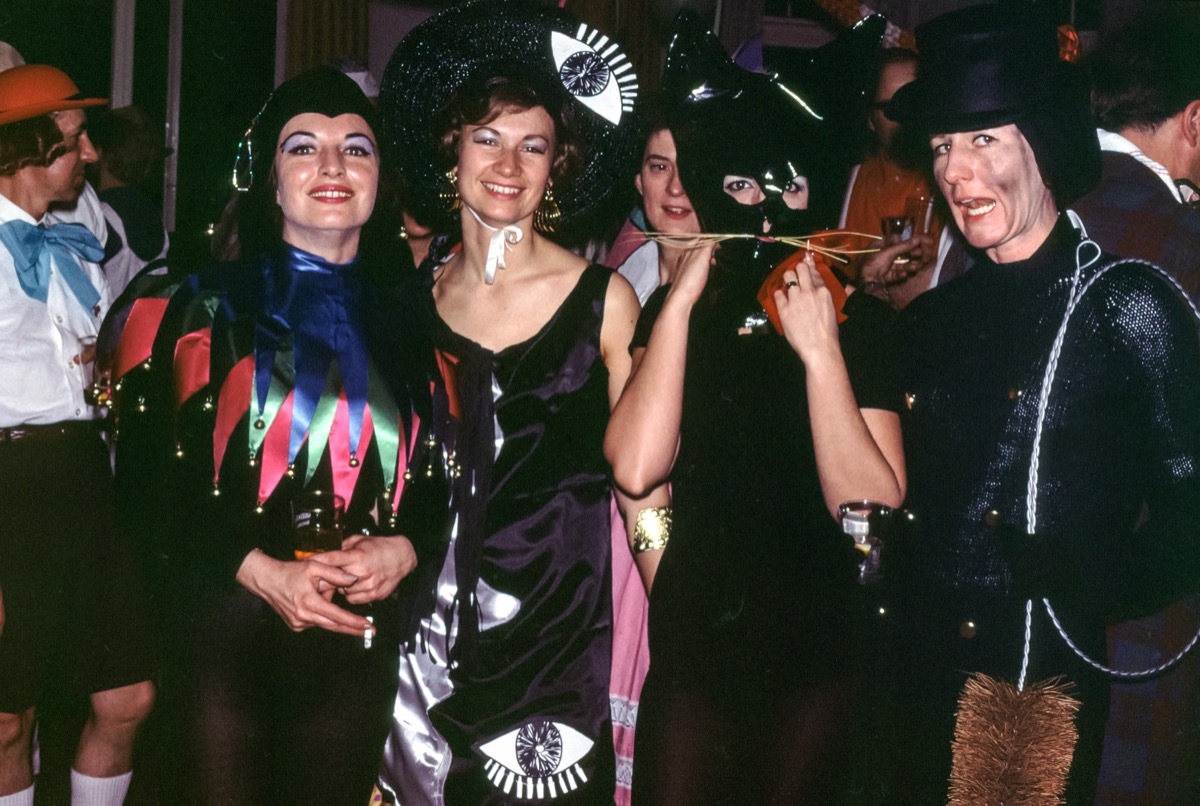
(257,220)
(32,142)
(1147,72)
(324,91)
(131,142)
(480,101)
(652,119)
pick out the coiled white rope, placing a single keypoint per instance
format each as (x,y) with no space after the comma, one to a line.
(1078,289)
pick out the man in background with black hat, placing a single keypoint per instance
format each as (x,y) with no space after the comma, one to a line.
(74,616)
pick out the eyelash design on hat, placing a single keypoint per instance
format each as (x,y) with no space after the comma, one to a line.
(587,64)
(539,759)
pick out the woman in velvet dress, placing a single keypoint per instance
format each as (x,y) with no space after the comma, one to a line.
(1117,488)
(503,692)
(241,387)
(755,635)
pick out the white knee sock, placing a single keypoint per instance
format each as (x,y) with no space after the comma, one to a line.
(22,798)
(89,791)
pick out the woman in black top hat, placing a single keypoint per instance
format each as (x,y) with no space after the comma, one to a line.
(756,636)
(1117,432)
(507,111)
(242,388)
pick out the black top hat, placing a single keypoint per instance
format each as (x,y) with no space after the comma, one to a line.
(985,66)
(526,40)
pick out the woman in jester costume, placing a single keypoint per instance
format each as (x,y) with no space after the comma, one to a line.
(243,387)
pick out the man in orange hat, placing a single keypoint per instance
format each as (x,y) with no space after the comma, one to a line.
(74,614)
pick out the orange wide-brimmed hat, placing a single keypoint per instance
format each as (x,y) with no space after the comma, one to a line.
(30,90)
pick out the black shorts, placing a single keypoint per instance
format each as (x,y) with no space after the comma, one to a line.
(75,607)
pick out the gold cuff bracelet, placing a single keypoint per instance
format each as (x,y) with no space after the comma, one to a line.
(653,529)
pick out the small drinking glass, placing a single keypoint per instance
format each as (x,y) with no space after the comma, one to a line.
(920,210)
(865,523)
(317,523)
(896,228)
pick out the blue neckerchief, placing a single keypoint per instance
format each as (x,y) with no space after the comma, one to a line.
(321,304)
(32,247)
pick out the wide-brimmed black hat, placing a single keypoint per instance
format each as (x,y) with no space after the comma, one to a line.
(525,39)
(985,66)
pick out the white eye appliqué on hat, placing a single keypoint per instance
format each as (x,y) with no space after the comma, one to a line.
(587,65)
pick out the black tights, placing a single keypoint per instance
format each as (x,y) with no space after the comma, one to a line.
(699,746)
(261,715)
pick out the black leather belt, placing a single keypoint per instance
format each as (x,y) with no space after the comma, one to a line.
(54,432)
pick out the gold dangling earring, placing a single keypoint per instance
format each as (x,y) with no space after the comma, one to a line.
(448,194)
(547,213)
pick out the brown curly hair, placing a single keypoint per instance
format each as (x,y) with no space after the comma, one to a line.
(482,101)
(32,142)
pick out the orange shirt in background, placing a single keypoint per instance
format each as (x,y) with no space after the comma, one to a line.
(881,189)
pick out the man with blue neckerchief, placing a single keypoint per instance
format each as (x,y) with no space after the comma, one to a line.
(75,618)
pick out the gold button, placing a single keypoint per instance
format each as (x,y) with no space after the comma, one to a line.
(910,400)
(992,519)
(967,629)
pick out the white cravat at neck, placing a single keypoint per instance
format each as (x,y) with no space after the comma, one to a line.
(501,241)
(1111,141)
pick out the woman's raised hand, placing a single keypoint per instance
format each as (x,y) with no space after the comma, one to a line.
(806,312)
(691,272)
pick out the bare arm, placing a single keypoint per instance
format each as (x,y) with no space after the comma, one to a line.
(620,316)
(643,434)
(647,560)
(859,452)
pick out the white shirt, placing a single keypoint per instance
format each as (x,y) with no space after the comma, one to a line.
(122,267)
(41,380)
(1111,141)
(87,210)
(641,270)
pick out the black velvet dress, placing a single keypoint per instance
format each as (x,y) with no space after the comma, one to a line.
(755,612)
(503,692)
(1122,432)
